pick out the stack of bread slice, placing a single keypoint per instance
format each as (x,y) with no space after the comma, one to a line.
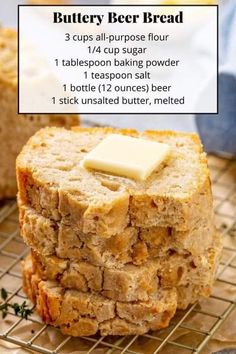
(110,254)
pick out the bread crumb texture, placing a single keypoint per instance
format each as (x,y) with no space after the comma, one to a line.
(110,254)
(134,283)
(83,314)
(133,245)
(51,180)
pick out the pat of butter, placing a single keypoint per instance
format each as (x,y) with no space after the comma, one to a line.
(127,156)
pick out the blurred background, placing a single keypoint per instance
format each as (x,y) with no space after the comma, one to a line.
(218,132)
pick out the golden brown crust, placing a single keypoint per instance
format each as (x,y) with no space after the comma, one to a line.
(134,132)
(8,57)
(80,314)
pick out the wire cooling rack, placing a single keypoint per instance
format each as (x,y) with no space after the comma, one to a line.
(184,335)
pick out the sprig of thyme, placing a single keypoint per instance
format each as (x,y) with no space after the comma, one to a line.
(20,310)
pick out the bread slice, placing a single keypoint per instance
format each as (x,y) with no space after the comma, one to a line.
(133,245)
(130,283)
(84,314)
(51,180)
(15,129)
(133,283)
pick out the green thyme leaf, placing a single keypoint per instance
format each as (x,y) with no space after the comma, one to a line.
(4,313)
(20,310)
(16,308)
(4,294)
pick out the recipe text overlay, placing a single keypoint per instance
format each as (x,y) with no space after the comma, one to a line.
(118,59)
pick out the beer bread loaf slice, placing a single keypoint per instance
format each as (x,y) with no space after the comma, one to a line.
(52,181)
(133,283)
(15,129)
(133,245)
(130,283)
(84,314)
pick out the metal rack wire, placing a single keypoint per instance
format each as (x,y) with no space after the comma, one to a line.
(40,338)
